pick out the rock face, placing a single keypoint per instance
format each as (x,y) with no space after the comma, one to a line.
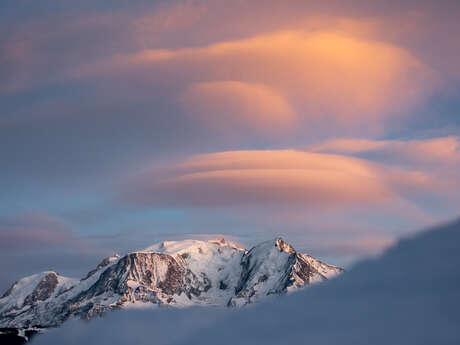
(176,274)
(274,267)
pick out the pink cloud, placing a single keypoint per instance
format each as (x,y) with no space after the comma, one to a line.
(274,177)
(419,168)
(225,105)
(34,231)
(445,150)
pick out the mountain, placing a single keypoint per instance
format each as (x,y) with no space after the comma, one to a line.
(409,295)
(177,274)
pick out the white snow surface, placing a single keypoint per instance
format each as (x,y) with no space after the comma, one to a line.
(189,246)
(219,260)
(408,296)
(21,289)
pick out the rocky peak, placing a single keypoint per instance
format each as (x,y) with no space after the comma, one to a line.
(284,246)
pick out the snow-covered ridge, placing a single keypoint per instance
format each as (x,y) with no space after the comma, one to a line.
(173,273)
(178,247)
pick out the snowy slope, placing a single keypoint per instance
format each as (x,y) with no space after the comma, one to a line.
(179,274)
(273,267)
(409,296)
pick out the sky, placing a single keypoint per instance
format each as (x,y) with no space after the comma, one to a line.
(335,125)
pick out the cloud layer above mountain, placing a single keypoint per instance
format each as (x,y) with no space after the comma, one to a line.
(311,177)
(284,176)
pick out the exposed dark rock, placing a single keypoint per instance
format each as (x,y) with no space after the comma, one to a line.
(284,246)
(15,336)
(10,336)
(43,290)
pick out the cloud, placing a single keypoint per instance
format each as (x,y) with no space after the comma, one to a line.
(420,160)
(441,156)
(32,231)
(272,177)
(35,241)
(224,105)
(167,326)
(445,150)
(347,145)
(321,76)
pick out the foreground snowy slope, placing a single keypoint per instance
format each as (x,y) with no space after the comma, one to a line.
(177,274)
(409,296)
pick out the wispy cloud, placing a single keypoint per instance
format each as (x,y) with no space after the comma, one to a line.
(38,231)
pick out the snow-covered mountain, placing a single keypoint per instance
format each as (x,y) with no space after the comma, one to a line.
(409,295)
(176,274)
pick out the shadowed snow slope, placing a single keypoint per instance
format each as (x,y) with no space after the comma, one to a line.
(410,295)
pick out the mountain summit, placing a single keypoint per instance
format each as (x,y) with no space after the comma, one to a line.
(178,274)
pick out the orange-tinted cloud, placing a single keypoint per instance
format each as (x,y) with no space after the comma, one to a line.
(322,76)
(228,104)
(273,177)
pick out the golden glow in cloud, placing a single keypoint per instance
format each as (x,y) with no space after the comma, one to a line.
(264,80)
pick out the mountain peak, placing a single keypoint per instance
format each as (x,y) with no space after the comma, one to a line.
(173,273)
(284,246)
